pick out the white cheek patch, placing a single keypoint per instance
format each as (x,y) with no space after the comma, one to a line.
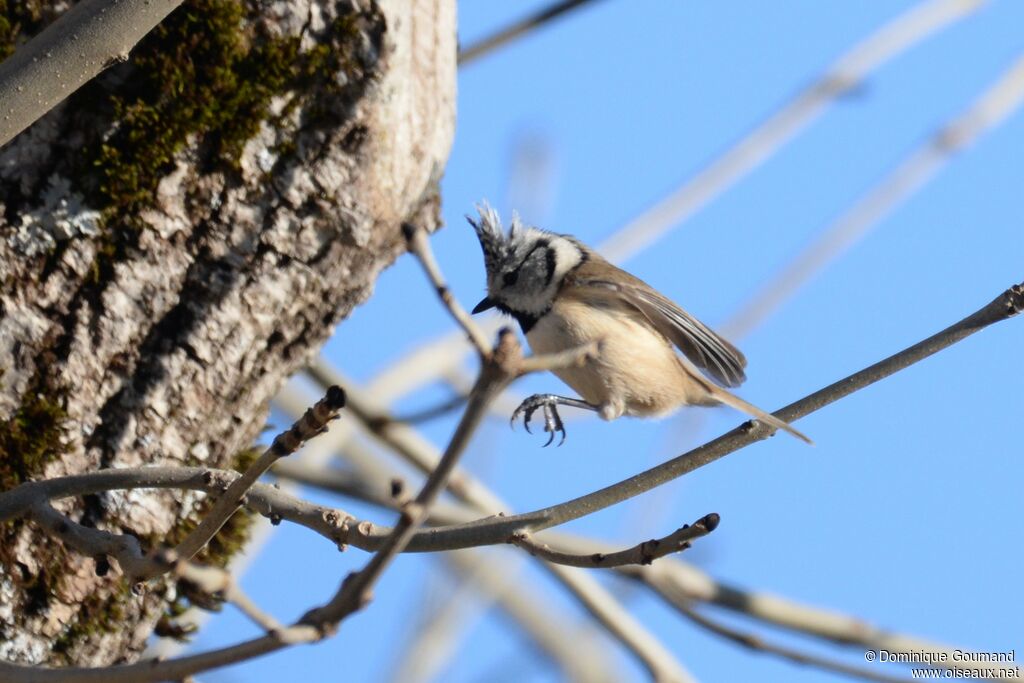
(567,257)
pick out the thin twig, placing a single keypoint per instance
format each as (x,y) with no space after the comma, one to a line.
(516,30)
(988,111)
(758,644)
(401,438)
(312,423)
(419,246)
(498,369)
(642,553)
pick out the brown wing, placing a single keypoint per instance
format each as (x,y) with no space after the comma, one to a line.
(705,349)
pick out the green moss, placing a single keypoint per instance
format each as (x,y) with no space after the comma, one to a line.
(32,436)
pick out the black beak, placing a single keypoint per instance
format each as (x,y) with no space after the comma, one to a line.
(485,304)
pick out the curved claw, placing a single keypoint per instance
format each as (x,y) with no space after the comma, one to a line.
(552,420)
(526,410)
(553,424)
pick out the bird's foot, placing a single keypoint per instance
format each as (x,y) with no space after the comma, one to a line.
(552,421)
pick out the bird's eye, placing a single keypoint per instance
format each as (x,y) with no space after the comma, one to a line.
(510,278)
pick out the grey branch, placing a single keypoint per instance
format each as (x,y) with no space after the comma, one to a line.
(96,543)
(608,612)
(498,369)
(642,553)
(80,44)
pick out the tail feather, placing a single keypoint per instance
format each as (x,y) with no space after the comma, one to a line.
(738,403)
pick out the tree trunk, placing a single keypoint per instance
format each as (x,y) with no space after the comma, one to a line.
(176,238)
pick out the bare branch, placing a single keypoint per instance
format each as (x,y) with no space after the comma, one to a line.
(419,246)
(312,423)
(80,44)
(516,30)
(642,553)
(403,439)
(97,543)
(489,576)
(681,584)
(991,109)
(498,529)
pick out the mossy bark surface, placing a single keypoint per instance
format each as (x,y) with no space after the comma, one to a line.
(177,238)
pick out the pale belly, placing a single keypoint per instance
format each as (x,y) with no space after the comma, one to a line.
(637,373)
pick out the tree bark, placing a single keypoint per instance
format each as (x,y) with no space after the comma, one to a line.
(176,238)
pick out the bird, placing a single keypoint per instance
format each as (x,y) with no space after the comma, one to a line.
(654,357)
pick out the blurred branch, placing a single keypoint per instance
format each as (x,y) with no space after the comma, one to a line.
(991,109)
(484,578)
(516,30)
(221,584)
(499,366)
(845,74)
(680,584)
(758,644)
(433,412)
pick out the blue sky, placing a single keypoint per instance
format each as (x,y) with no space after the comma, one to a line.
(906,512)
